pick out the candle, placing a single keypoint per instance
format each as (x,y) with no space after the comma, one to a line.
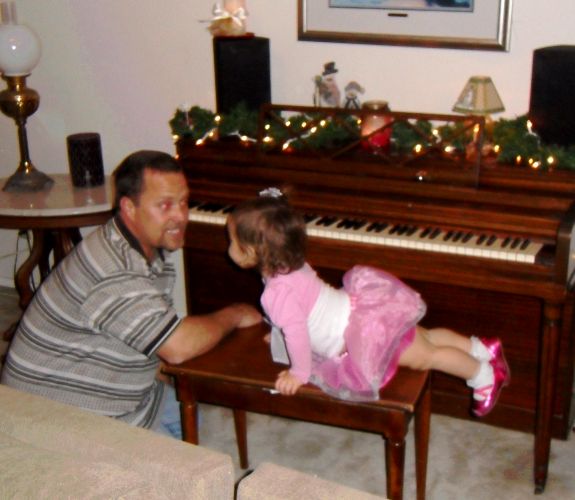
(375,117)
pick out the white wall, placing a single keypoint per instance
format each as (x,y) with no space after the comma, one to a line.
(121,68)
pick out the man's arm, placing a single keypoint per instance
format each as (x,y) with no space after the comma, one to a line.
(196,335)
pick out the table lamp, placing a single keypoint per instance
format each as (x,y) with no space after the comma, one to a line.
(479,97)
(19,54)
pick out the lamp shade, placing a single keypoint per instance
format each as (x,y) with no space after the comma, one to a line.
(19,50)
(479,97)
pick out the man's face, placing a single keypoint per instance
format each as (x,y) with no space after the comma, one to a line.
(158,218)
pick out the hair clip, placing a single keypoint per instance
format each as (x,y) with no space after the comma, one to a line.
(271,192)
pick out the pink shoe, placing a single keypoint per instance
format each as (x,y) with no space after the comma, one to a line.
(490,393)
(493,345)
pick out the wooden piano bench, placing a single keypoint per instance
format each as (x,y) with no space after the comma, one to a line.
(239,374)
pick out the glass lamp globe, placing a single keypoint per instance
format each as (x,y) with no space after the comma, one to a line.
(19,50)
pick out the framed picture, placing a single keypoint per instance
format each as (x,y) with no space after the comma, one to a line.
(459,24)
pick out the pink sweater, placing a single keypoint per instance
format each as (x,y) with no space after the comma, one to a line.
(288,300)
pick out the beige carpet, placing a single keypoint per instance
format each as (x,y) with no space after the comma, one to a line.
(467,460)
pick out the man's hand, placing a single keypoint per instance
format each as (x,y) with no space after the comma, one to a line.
(287,384)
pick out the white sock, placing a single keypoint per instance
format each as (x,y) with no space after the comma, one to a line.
(478,350)
(483,378)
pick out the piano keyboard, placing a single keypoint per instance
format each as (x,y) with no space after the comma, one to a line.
(423,238)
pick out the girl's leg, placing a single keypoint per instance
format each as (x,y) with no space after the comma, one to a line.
(483,350)
(450,354)
(446,337)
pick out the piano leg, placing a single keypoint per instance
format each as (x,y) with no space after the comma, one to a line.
(548,362)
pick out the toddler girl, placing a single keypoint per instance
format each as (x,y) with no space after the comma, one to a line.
(349,341)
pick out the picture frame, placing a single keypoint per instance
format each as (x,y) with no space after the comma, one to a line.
(485,26)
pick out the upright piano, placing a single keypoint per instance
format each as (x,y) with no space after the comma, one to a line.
(488,246)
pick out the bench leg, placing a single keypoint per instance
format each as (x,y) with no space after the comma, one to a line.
(190,421)
(394,465)
(421,436)
(241,437)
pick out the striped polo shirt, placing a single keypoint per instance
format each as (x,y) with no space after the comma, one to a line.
(90,334)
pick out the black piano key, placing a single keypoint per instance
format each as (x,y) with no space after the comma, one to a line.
(506,242)
(411,230)
(309,217)
(228,209)
(210,206)
(525,243)
(492,239)
(436,232)
(326,221)
(425,232)
(482,238)
(448,235)
(515,243)
(377,227)
(457,236)
(467,237)
(358,224)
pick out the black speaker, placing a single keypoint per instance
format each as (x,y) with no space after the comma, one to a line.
(85,159)
(242,72)
(552,103)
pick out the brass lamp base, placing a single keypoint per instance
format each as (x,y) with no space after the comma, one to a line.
(18,102)
(27,181)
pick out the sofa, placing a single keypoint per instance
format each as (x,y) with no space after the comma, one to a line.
(51,450)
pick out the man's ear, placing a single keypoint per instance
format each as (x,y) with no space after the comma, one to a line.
(127,207)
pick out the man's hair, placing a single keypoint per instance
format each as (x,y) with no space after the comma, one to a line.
(274,230)
(129,174)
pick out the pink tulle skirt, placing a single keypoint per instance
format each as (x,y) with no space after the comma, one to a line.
(384,314)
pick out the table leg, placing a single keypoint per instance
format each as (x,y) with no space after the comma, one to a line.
(421,424)
(548,362)
(394,464)
(44,241)
(241,437)
(190,421)
(22,279)
(65,241)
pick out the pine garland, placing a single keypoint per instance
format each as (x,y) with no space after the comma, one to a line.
(515,142)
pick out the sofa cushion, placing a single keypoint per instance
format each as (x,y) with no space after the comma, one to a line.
(31,472)
(183,470)
(274,482)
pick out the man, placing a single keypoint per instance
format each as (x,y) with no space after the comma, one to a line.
(96,330)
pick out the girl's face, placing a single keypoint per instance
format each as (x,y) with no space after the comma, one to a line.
(244,257)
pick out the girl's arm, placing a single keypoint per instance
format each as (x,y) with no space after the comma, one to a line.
(283,306)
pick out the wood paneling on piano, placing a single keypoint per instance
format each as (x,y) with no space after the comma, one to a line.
(488,246)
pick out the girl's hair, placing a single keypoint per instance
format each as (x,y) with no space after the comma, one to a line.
(275,231)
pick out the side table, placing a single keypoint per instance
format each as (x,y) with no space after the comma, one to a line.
(55,217)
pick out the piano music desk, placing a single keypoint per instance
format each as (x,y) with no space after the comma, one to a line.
(240,374)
